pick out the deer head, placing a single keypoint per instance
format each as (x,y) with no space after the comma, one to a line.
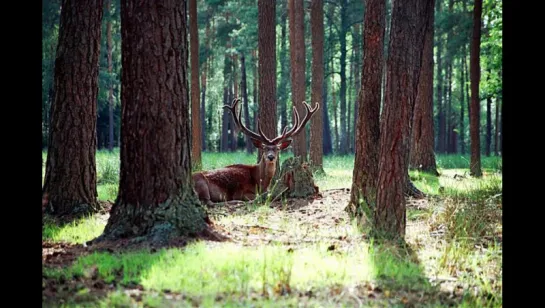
(271,147)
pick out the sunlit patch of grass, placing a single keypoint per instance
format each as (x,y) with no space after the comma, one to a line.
(201,270)
(77,232)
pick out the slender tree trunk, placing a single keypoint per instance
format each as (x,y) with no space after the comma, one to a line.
(440,111)
(475,115)
(349,100)
(232,130)
(422,156)
(343,146)
(195,91)
(285,75)
(357,35)
(111,85)
(256,76)
(156,198)
(225,122)
(328,144)
(462,101)
(335,116)
(410,20)
(488,125)
(316,125)
(203,107)
(243,88)
(497,126)
(70,177)
(297,54)
(368,123)
(267,68)
(448,111)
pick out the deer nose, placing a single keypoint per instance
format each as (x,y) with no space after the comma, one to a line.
(270,157)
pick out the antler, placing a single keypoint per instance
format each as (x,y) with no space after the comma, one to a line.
(241,126)
(261,136)
(297,127)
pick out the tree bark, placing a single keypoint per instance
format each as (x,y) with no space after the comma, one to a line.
(462,101)
(297,53)
(316,125)
(70,176)
(267,68)
(440,111)
(422,155)
(156,198)
(195,91)
(285,74)
(410,20)
(343,145)
(488,125)
(244,89)
(111,84)
(475,115)
(363,193)
(496,137)
(225,122)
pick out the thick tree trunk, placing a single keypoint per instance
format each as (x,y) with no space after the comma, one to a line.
(410,20)
(422,155)
(297,54)
(316,125)
(70,177)
(267,68)
(363,193)
(195,91)
(475,115)
(156,199)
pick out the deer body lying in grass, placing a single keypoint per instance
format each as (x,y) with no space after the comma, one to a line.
(243,182)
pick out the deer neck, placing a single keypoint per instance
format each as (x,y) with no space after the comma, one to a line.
(266,171)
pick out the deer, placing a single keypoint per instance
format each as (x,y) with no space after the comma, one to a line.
(241,182)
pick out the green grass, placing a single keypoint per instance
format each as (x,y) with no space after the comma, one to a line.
(459,238)
(78,232)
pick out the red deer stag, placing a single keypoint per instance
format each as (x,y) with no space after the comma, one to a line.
(241,182)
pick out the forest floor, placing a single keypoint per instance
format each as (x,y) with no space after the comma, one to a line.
(297,252)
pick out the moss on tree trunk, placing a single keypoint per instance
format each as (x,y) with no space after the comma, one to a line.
(295,180)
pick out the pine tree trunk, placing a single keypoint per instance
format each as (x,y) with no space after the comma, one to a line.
(203,106)
(297,55)
(267,68)
(244,89)
(462,101)
(156,199)
(475,115)
(488,125)
(195,91)
(70,177)
(111,85)
(439,92)
(364,179)
(285,74)
(316,125)
(422,155)
(410,20)
(225,122)
(343,146)
(497,126)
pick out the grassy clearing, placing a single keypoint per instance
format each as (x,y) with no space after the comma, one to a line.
(312,256)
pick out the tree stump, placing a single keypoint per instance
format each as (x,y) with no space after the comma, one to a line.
(295,180)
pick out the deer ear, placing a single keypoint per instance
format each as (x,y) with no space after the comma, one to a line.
(256,143)
(284,144)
